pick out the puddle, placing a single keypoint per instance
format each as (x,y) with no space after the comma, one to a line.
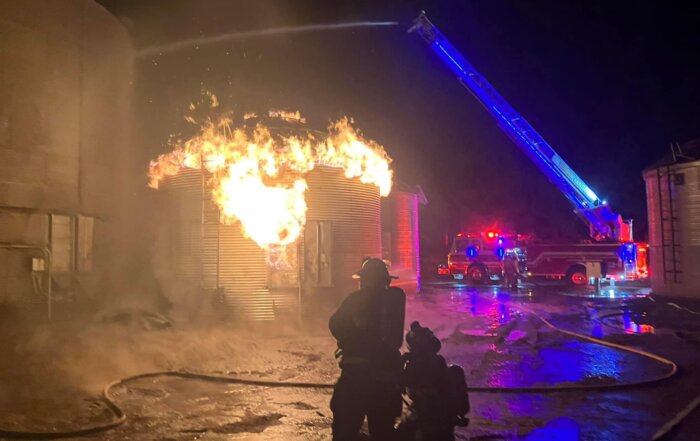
(522,352)
(626,322)
(496,313)
(606,292)
(560,429)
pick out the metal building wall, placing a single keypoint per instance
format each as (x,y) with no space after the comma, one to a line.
(198,256)
(400,219)
(351,212)
(65,87)
(673,206)
(179,230)
(208,258)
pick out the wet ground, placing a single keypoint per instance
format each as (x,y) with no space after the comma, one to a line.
(543,356)
(493,333)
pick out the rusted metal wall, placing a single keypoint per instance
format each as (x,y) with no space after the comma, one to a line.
(673,206)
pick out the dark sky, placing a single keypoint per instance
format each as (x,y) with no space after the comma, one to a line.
(608,83)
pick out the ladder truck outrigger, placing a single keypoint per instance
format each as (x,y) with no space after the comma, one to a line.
(613,254)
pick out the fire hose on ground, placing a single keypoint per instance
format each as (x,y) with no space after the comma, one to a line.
(120,416)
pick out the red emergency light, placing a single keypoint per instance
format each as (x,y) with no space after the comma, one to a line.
(491,234)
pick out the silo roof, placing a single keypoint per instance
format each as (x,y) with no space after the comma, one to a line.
(686,152)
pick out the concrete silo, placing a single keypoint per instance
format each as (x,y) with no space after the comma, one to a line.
(65,87)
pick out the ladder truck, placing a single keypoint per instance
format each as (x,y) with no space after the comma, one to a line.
(612,254)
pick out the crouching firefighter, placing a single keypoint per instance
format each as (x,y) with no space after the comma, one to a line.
(368,326)
(436,394)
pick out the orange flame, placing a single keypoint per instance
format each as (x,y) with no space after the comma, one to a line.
(258,178)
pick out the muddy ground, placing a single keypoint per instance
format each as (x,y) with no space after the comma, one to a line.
(51,374)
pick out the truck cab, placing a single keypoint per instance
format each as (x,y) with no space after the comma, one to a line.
(478,257)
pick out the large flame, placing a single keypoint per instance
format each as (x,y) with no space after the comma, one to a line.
(258,178)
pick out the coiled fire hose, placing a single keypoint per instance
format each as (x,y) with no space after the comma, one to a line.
(120,416)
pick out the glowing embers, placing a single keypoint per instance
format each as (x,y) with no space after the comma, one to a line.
(258,178)
(287,115)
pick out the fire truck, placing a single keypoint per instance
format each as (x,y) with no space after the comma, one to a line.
(478,257)
(576,262)
(612,252)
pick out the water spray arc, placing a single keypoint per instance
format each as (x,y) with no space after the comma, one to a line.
(232,36)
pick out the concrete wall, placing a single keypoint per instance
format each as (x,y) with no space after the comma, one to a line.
(65,90)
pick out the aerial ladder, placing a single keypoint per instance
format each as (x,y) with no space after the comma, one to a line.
(604,225)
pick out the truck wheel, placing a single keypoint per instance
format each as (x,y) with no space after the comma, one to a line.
(576,276)
(477,274)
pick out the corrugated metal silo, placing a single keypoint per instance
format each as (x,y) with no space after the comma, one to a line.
(673,206)
(400,233)
(343,226)
(347,213)
(198,256)
(179,229)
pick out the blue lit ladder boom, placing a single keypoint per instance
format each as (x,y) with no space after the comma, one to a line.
(602,222)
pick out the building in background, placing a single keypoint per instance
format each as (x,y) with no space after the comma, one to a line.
(65,90)
(673,204)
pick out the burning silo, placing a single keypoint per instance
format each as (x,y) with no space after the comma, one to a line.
(204,257)
(273,214)
(673,205)
(64,143)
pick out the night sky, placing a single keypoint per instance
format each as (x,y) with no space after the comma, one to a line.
(608,84)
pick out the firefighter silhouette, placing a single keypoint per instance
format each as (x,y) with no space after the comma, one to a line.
(369,326)
(436,394)
(511,272)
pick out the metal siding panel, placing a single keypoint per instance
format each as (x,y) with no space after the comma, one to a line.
(405,247)
(61,243)
(243,275)
(353,208)
(219,256)
(223,258)
(181,217)
(686,231)
(86,234)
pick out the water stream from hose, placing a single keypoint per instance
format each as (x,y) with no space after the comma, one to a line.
(201,41)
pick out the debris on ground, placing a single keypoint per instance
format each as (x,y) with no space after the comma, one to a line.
(250,423)
(146,320)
